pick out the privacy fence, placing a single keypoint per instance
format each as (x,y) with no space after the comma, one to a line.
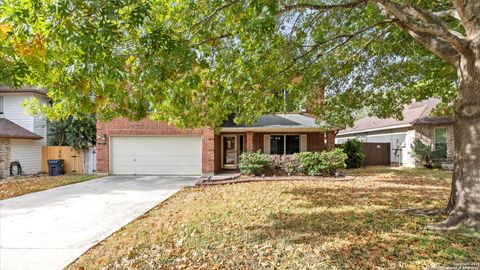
(79,162)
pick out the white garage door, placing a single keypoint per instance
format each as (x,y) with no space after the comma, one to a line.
(156,155)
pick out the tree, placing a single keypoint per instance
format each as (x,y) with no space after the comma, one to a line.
(78,133)
(193,63)
(353,149)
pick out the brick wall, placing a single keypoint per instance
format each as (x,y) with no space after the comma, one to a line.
(4,157)
(122,126)
(316,141)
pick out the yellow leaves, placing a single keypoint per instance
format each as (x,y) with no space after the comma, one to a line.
(4,30)
(36,48)
(130,60)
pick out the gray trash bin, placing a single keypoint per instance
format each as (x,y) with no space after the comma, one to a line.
(55,167)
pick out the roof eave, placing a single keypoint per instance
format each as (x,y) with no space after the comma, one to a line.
(374,129)
(274,129)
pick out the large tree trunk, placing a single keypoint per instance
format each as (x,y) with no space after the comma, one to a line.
(464,204)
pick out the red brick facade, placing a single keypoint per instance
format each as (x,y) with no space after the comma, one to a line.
(147,127)
(211,142)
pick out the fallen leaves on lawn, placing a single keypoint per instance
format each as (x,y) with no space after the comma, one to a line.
(294,225)
(13,187)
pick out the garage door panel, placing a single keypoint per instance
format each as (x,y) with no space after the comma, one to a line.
(157,155)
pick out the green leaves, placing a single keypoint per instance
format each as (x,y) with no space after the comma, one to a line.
(192,63)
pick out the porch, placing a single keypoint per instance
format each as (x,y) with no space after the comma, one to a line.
(229,145)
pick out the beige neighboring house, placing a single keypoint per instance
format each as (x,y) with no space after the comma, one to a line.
(417,123)
(21,135)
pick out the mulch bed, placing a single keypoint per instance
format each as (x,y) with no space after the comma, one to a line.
(248,178)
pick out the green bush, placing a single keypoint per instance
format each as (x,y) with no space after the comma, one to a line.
(313,163)
(425,155)
(353,149)
(254,163)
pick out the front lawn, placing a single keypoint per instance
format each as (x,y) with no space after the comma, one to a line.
(22,185)
(378,220)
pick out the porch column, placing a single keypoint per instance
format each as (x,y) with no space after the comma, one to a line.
(330,140)
(249,139)
(321,142)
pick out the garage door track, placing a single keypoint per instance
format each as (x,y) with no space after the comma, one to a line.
(50,229)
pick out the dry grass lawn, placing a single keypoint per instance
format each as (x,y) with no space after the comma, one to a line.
(375,222)
(22,185)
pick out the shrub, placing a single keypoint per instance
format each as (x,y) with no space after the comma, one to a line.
(353,149)
(424,154)
(335,160)
(254,163)
(310,163)
(313,163)
(287,164)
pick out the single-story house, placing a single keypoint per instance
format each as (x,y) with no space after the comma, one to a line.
(148,147)
(417,123)
(21,135)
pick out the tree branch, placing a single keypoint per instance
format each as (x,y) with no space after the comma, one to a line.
(469,13)
(421,21)
(439,47)
(353,4)
(447,13)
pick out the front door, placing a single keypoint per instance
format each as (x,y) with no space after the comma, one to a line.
(229,151)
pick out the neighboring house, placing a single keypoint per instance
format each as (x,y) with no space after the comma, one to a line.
(148,147)
(21,135)
(417,123)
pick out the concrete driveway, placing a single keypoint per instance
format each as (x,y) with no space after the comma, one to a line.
(50,229)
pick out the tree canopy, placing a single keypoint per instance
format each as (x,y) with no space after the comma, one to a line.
(193,63)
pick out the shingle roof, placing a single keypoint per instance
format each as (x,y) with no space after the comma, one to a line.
(8,129)
(434,121)
(297,120)
(4,89)
(415,113)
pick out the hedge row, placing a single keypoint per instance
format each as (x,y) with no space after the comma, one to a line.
(310,163)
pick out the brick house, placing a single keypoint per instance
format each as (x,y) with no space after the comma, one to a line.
(148,147)
(417,123)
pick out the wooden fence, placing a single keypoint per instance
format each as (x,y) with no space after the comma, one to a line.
(376,154)
(73,160)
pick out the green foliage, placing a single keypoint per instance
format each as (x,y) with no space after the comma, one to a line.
(192,63)
(78,133)
(313,163)
(425,154)
(353,149)
(253,163)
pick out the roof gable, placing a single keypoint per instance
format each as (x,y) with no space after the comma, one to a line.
(412,114)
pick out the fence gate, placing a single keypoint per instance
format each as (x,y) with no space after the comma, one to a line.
(73,159)
(376,154)
(89,160)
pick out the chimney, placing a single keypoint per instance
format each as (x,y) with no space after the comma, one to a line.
(315,100)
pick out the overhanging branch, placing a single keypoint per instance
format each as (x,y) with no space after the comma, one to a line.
(469,13)
(421,21)
(317,7)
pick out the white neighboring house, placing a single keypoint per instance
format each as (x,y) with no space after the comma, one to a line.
(21,135)
(417,123)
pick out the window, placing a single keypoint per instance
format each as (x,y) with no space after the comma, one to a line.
(441,142)
(292,144)
(277,144)
(284,144)
(241,142)
(1,105)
